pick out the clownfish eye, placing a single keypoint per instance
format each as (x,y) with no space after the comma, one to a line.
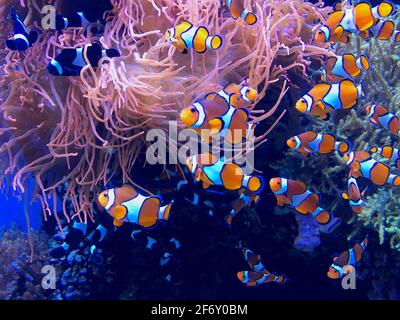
(193,110)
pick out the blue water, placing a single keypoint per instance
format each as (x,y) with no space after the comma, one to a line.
(12,210)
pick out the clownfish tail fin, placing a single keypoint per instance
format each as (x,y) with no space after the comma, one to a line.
(214,42)
(255,184)
(164,212)
(384,9)
(396,36)
(364,63)
(394,180)
(249,17)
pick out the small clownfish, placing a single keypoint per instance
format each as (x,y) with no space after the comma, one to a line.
(212,171)
(218,117)
(237,95)
(296,195)
(70,62)
(347,261)
(75,20)
(382,30)
(353,20)
(361,164)
(187,36)
(325,97)
(388,152)
(345,66)
(309,142)
(22,39)
(254,278)
(125,204)
(238,11)
(71,242)
(379,115)
(254,260)
(354,195)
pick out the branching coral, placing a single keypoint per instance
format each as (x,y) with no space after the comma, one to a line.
(76,134)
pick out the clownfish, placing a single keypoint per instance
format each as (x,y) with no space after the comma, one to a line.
(361,164)
(254,278)
(379,115)
(382,30)
(70,62)
(388,152)
(238,11)
(296,195)
(216,116)
(353,20)
(325,97)
(125,204)
(347,261)
(308,142)
(218,172)
(22,39)
(237,95)
(259,273)
(71,242)
(187,36)
(354,195)
(75,20)
(345,66)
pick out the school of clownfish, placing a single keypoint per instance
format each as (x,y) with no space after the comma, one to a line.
(226,111)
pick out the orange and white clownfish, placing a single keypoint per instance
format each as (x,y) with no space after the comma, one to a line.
(354,195)
(218,117)
(345,66)
(347,261)
(388,152)
(296,195)
(237,95)
(352,20)
(254,260)
(361,164)
(325,97)
(379,115)
(255,278)
(219,172)
(238,11)
(187,36)
(309,142)
(382,30)
(125,204)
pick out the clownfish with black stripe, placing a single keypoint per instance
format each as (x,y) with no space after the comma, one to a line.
(214,116)
(345,66)
(388,152)
(379,115)
(125,204)
(237,95)
(22,39)
(238,10)
(325,97)
(354,195)
(71,61)
(309,142)
(296,195)
(361,164)
(187,36)
(382,30)
(219,172)
(259,274)
(347,261)
(352,20)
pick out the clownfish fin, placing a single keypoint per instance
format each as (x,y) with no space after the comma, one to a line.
(214,42)
(33,36)
(249,17)
(356,166)
(117,223)
(396,36)
(345,196)
(364,192)
(338,6)
(215,125)
(373,149)
(210,96)
(364,63)
(164,212)
(342,146)
(119,212)
(10,44)
(320,105)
